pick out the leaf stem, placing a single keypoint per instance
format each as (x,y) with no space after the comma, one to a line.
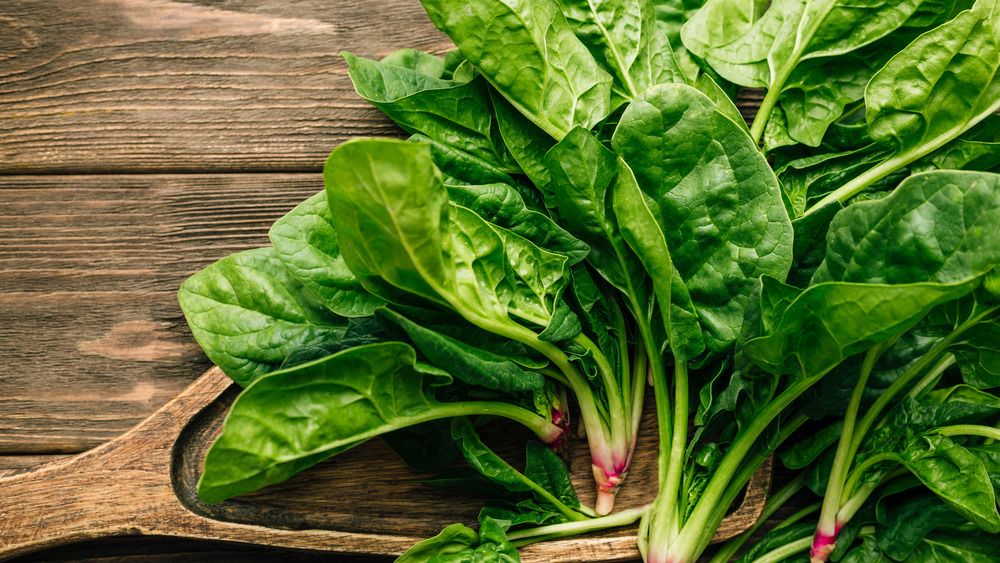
(622,518)
(722,485)
(784,551)
(862,181)
(542,427)
(827,525)
(969,430)
(931,357)
(776,501)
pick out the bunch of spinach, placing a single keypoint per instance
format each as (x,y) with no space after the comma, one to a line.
(581,207)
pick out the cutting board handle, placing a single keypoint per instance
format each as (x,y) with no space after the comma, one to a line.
(120,488)
(126,487)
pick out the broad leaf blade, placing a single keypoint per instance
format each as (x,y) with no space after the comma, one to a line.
(295,418)
(248,313)
(306,242)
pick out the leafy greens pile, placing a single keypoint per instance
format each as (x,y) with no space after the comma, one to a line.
(581,208)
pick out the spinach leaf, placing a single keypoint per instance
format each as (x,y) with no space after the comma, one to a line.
(956,547)
(906,519)
(295,418)
(888,241)
(764,50)
(719,204)
(397,229)
(626,38)
(503,206)
(931,92)
(306,243)
(905,106)
(540,66)
(467,363)
(545,475)
(248,313)
(820,330)
(956,476)
(457,114)
(460,544)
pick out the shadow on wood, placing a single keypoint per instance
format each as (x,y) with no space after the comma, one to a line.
(362,501)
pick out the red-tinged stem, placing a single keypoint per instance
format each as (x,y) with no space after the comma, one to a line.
(823,544)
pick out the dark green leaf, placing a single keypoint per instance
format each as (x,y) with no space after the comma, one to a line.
(539,66)
(939,86)
(467,363)
(941,227)
(306,242)
(453,540)
(719,204)
(956,476)
(907,518)
(295,418)
(248,313)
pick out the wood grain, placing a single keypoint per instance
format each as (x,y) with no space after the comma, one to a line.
(164,85)
(196,123)
(90,328)
(142,483)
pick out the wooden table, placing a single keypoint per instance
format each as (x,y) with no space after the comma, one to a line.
(141,140)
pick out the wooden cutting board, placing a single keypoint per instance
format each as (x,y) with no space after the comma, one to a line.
(363,501)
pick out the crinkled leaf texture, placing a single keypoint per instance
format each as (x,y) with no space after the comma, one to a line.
(888,263)
(455,113)
(248,313)
(539,66)
(400,235)
(715,200)
(940,85)
(306,243)
(295,418)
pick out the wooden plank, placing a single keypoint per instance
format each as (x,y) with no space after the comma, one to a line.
(90,330)
(170,86)
(165,85)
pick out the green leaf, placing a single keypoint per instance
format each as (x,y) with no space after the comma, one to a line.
(808,450)
(295,418)
(956,476)
(545,476)
(776,538)
(814,56)
(501,205)
(942,227)
(452,540)
(581,173)
(539,66)
(545,468)
(719,204)
(460,167)
(907,518)
(978,356)
(939,86)
(399,233)
(820,328)
(956,547)
(248,313)
(467,363)
(457,114)
(418,61)
(910,418)
(638,216)
(306,243)
(423,447)
(624,37)
(525,140)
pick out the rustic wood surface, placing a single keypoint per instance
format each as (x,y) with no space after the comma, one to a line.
(140,140)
